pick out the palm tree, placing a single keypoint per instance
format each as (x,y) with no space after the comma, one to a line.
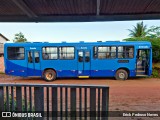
(140,30)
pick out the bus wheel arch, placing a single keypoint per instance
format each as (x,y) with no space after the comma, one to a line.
(122,74)
(49,74)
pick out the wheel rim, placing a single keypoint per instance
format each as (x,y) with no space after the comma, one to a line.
(49,76)
(121,75)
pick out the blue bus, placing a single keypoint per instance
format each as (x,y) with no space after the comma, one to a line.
(82,59)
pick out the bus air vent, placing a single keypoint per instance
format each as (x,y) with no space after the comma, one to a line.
(81,41)
(37,42)
(113,41)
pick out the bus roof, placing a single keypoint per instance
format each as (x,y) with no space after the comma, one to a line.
(116,43)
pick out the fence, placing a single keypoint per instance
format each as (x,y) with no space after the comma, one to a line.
(56,101)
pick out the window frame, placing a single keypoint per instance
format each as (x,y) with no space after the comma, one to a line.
(16,53)
(126,52)
(105,58)
(95,55)
(60,53)
(50,52)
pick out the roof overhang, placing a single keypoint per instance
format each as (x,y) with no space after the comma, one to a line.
(78,10)
(4,37)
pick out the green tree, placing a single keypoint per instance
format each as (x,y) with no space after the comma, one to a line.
(142,33)
(140,30)
(19,37)
(154,32)
(155,46)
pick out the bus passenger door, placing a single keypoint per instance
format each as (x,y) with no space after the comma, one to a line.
(34,68)
(83,63)
(142,62)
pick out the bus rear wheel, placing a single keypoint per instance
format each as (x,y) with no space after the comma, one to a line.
(49,75)
(121,74)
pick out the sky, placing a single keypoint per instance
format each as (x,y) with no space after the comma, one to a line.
(72,31)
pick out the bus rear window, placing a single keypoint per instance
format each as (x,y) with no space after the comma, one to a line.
(15,53)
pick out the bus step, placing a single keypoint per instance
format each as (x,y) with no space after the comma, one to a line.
(140,66)
(83,76)
(141,75)
(139,71)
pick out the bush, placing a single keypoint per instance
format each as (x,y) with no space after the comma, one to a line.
(155,73)
(156,70)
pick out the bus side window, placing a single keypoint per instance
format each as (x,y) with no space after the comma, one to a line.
(94,52)
(87,57)
(80,56)
(108,55)
(36,54)
(45,56)
(30,57)
(80,59)
(125,52)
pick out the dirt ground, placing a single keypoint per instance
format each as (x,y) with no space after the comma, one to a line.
(136,94)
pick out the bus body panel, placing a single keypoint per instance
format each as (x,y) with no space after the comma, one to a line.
(67,68)
(83,64)
(16,68)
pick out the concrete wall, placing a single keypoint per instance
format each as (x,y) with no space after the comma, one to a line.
(2,41)
(1,64)
(1,48)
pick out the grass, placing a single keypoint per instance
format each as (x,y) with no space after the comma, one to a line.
(2,72)
(156,65)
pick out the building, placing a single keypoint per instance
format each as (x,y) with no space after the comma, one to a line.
(3,40)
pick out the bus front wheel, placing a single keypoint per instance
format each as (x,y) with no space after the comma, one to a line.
(49,75)
(121,74)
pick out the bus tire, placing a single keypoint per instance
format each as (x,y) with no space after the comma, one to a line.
(121,74)
(49,75)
